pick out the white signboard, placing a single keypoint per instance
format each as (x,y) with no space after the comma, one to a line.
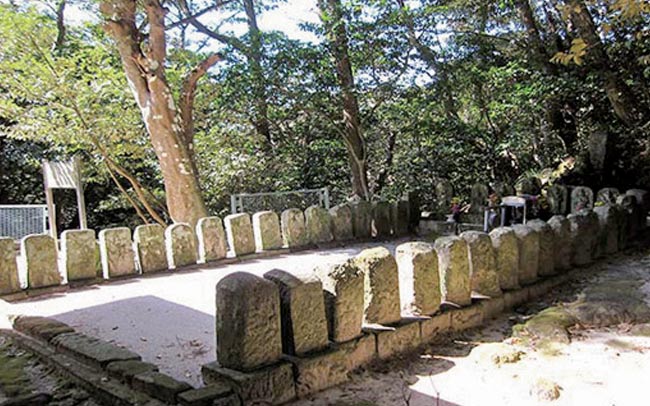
(63,175)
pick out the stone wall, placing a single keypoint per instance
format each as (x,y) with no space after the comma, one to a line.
(377,306)
(117,252)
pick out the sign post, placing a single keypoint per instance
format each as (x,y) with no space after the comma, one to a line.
(63,175)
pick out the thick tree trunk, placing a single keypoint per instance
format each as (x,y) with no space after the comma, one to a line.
(254,54)
(167,130)
(620,96)
(332,18)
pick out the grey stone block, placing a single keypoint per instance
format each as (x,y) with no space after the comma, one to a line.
(419,279)
(9,282)
(150,248)
(381,286)
(91,350)
(78,249)
(116,249)
(266,230)
(239,231)
(41,260)
(453,265)
(160,386)
(212,241)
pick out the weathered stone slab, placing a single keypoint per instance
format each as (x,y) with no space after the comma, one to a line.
(607,195)
(319,225)
(506,248)
(160,386)
(479,196)
(319,371)
(453,266)
(398,340)
(341,216)
(608,236)
(381,219)
(382,301)
(294,231)
(302,308)
(546,247)
(400,218)
(529,186)
(89,349)
(9,282)
(273,385)
(124,371)
(630,213)
(582,198)
(266,229)
(150,248)
(419,280)
(240,234)
(41,327)
(116,251)
(444,193)
(248,322)
(78,251)
(361,219)
(594,224)
(484,278)
(344,298)
(582,238)
(561,242)
(212,395)
(558,199)
(643,201)
(528,242)
(41,259)
(360,351)
(180,242)
(434,327)
(466,317)
(211,237)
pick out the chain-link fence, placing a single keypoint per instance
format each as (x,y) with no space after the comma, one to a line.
(17,221)
(279,201)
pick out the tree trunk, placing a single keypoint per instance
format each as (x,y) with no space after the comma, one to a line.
(167,130)
(620,96)
(254,55)
(333,21)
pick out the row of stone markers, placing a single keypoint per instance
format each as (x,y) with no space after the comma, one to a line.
(155,249)
(289,335)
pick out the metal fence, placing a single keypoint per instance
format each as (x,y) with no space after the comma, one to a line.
(17,221)
(279,201)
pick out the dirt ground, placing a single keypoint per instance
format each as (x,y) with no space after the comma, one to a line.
(25,381)
(586,343)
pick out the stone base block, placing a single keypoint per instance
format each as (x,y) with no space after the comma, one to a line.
(539,289)
(466,317)
(492,307)
(272,385)
(219,394)
(435,326)
(359,351)
(514,298)
(41,327)
(88,349)
(319,371)
(160,386)
(124,371)
(399,339)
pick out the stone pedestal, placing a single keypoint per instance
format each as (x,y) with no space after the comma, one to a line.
(294,232)
(341,216)
(180,243)
(211,238)
(319,225)
(266,229)
(382,301)
(361,219)
(41,259)
(528,242)
(381,219)
(240,234)
(304,324)
(561,242)
(453,266)
(116,250)
(248,322)
(506,249)
(484,278)
(78,249)
(546,247)
(150,248)
(9,282)
(419,280)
